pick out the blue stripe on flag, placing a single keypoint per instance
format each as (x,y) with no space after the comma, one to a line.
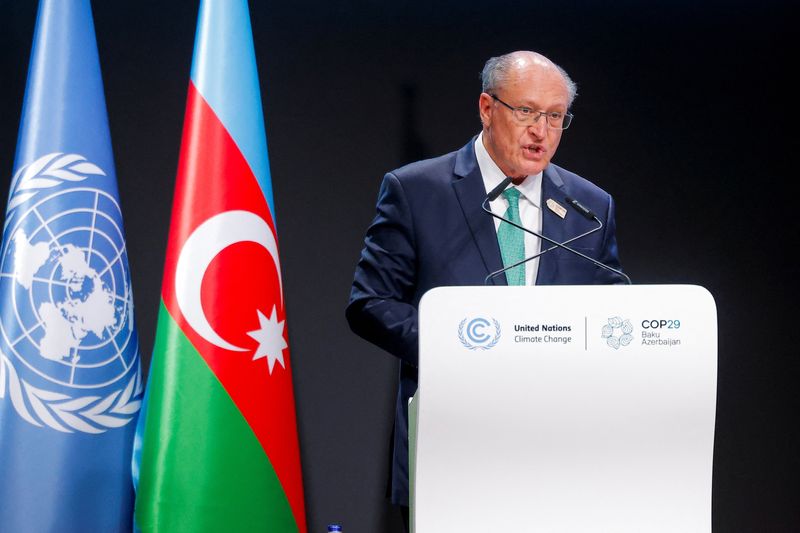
(225,73)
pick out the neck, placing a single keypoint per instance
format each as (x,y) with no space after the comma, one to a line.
(516,180)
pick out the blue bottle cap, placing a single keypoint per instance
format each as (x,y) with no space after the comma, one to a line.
(334,527)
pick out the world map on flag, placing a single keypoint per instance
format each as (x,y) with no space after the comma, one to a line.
(84,305)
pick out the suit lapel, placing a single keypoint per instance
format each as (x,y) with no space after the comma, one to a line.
(552,225)
(470,191)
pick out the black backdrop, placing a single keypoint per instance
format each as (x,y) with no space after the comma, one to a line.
(685,114)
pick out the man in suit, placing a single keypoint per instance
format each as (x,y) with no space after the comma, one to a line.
(430,229)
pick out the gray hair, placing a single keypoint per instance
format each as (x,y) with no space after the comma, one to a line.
(496,72)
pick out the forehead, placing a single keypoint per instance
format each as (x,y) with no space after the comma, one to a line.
(536,83)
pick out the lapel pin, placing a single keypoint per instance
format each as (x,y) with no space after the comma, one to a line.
(556,208)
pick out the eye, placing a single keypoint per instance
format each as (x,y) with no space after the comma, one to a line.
(555,115)
(525,111)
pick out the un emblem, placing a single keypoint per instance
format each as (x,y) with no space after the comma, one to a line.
(67,338)
(479,333)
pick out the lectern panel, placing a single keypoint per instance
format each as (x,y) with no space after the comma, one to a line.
(566,409)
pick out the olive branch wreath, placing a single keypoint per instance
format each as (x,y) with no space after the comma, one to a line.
(48,171)
(86,414)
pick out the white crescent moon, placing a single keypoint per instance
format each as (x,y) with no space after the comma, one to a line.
(202,246)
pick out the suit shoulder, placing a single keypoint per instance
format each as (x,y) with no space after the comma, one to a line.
(427,172)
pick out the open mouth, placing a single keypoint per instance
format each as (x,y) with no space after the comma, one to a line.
(534,150)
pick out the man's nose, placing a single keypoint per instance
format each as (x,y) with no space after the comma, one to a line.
(538,128)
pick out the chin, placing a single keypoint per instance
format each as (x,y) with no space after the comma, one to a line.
(530,170)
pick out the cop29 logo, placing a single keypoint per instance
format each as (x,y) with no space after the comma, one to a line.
(479,333)
(617,332)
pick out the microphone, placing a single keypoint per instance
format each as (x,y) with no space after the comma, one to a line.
(494,193)
(580,208)
(577,206)
(531,258)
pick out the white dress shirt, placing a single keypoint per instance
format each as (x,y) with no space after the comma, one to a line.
(530,204)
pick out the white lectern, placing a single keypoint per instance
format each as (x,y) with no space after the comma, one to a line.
(565,409)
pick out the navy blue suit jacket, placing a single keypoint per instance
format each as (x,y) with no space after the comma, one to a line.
(430,231)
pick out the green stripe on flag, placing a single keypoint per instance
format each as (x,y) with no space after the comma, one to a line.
(202,467)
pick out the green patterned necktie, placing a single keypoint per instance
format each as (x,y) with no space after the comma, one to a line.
(512,239)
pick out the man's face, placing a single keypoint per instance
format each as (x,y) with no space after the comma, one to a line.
(521,150)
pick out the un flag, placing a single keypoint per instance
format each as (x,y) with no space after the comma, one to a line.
(70,374)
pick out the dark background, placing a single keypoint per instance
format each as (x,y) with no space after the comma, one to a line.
(686,114)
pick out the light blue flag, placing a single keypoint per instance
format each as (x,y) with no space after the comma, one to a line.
(70,374)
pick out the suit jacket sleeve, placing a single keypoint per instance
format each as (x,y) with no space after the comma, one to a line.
(381,308)
(608,250)
(610,254)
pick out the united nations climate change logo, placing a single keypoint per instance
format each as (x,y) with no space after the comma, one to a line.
(68,346)
(479,333)
(617,332)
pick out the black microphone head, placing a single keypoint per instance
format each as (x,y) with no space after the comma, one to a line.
(494,193)
(580,208)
